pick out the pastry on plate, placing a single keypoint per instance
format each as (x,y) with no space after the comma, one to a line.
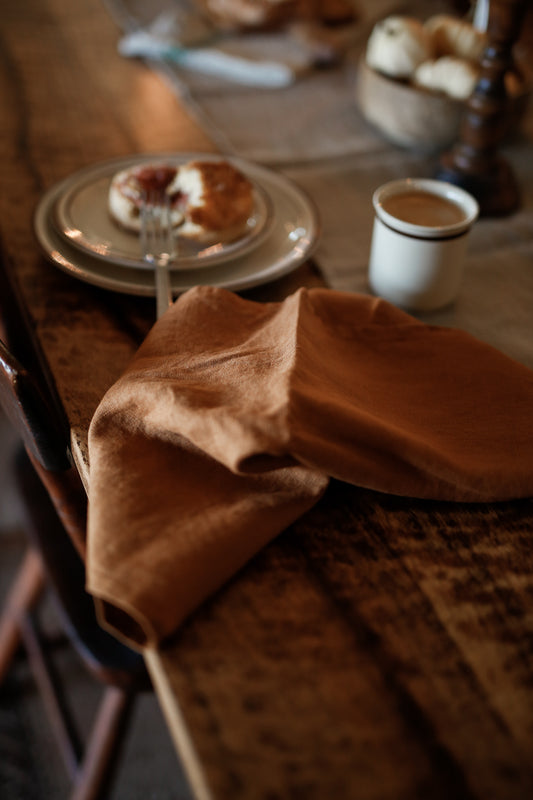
(217,201)
(131,186)
(210,201)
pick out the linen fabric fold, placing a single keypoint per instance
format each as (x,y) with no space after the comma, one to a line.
(233,415)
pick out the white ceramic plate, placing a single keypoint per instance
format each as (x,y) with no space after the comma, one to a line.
(82,217)
(290,240)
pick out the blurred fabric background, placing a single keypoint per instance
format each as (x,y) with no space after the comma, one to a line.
(30,764)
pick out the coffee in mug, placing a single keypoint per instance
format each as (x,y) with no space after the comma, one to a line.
(423,208)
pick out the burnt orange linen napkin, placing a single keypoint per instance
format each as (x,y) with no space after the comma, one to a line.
(233,415)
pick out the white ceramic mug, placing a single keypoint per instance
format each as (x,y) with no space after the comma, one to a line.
(419,242)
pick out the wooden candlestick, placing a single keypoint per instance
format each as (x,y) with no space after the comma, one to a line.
(474,162)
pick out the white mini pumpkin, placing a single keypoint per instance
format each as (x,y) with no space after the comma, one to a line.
(456,77)
(451,36)
(397,45)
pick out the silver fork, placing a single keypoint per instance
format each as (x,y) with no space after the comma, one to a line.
(158,246)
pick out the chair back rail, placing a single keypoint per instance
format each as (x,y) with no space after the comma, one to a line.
(27,392)
(54,506)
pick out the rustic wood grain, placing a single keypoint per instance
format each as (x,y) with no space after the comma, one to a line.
(68,101)
(380,649)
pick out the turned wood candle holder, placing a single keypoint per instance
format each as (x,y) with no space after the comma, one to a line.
(474,162)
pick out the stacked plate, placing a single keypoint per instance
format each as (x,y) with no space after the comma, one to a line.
(76,232)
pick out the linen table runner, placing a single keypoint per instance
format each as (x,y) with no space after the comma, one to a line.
(233,415)
(313,119)
(316,135)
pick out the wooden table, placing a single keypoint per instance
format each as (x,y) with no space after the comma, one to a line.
(380,649)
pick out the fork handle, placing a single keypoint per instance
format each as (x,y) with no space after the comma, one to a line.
(163,289)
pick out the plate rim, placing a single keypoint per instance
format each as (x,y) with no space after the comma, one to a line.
(101,170)
(96,275)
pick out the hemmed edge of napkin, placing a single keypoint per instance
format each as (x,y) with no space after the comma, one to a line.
(128,626)
(131,626)
(126,610)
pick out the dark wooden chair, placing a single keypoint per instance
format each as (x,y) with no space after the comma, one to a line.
(54,504)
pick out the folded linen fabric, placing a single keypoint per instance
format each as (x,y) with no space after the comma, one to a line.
(233,415)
